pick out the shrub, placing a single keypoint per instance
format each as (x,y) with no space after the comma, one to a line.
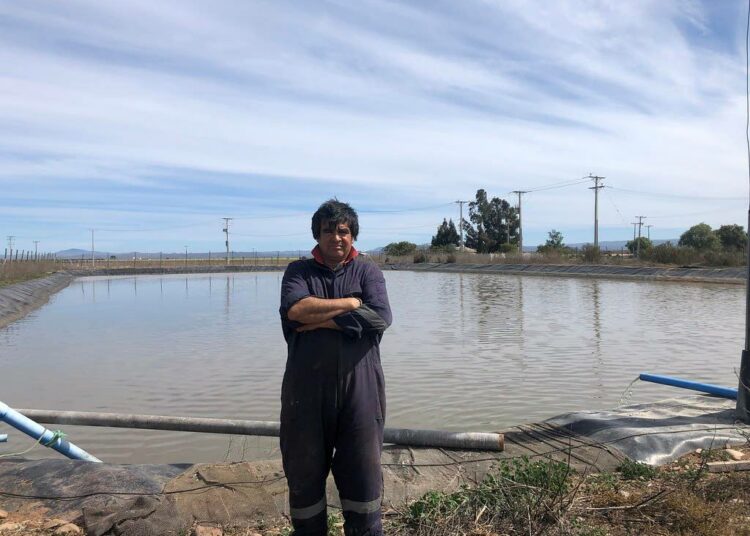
(521,496)
(700,237)
(631,470)
(668,254)
(419,257)
(591,253)
(632,245)
(397,249)
(724,258)
(732,237)
(507,248)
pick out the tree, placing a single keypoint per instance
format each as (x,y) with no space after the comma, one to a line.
(446,235)
(555,240)
(732,237)
(553,243)
(632,245)
(700,237)
(398,249)
(492,222)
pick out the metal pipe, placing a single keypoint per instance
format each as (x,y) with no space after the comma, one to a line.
(44,436)
(408,437)
(726,392)
(3,438)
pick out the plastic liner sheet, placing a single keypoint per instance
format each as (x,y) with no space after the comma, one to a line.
(660,432)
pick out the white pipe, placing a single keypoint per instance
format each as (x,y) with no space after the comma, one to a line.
(398,436)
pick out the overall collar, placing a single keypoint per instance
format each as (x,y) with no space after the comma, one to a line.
(319,257)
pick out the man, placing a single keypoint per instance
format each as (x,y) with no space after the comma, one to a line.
(334,310)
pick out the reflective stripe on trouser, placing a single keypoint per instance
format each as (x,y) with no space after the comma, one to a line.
(334,421)
(359,507)
(309,511)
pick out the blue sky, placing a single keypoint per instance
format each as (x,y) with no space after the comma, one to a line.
(150,121)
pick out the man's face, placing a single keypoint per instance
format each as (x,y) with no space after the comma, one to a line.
(335,241)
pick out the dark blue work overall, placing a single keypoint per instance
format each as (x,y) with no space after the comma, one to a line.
(333,397)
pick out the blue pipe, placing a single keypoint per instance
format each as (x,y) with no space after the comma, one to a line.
(46,437)
(726,392)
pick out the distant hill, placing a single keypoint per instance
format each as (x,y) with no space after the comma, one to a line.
(76,253)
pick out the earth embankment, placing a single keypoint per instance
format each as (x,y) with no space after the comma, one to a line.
(734,275)
(18,299)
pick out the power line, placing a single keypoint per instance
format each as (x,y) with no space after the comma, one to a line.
(611,200)
(555,185)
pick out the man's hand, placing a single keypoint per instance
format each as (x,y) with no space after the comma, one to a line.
(328,324)
(312,310)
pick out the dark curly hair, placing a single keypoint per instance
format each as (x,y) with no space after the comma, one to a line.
(335,212)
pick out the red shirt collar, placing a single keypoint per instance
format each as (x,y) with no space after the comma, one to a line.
(319,257)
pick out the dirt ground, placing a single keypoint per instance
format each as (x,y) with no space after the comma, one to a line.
(678,499)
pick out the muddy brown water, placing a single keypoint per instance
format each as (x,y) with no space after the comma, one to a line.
(465,352)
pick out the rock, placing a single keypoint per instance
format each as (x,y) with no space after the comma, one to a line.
(698,451)
(54,523)
(3,514)
(625,494)
(10,527)
(207,530)
(736,455)
(66,529)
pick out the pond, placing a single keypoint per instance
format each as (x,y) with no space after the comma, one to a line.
(465,352)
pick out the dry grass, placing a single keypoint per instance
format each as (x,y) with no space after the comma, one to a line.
(547,498)
(16,272)
(679,499)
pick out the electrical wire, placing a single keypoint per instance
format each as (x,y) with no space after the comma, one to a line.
(554,185)
(611,200)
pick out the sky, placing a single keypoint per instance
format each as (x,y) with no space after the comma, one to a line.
(151,121)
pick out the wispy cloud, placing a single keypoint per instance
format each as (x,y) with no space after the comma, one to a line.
(162,115)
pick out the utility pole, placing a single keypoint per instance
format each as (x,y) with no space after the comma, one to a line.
(638,243)
(648,231)
(92,247)
(11,239)
(226,232)
(186,256)
(596,187)
(520,222)
(461,223)
(36,249)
